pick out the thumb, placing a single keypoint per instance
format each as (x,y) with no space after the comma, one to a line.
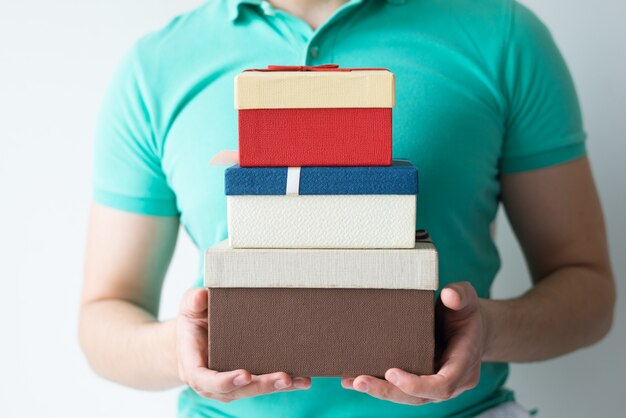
(195,303)
(457,296)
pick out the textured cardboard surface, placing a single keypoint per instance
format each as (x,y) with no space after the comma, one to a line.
(324,221)
(321,332)
(327,89)
(315,137)
(400,178)
(415,268)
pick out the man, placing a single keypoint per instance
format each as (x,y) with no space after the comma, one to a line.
(486,110)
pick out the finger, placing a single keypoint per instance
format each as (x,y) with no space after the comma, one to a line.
(440,386)
(301,382)
(220,383)
(382,389)
(269,383)
(433,387)
(457,296)
(347,382)
(233,396)
(194,303)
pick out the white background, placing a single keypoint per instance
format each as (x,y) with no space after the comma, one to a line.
(56,57)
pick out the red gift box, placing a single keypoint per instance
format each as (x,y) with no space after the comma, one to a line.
(314,116)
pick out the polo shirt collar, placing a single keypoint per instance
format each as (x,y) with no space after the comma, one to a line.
(234,6)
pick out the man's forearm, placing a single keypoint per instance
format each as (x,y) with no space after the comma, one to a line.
(569,309)
(126,344)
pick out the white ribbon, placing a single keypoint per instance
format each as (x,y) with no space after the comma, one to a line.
(293,181)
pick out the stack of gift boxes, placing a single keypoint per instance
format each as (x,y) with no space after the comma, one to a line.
(323,273)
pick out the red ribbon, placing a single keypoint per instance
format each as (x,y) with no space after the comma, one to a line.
(323,67)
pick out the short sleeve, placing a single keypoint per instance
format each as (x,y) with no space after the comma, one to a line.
(544,123)
(127,172)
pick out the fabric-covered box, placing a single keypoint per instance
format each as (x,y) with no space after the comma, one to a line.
(321,312)
(314,116)
(322,207)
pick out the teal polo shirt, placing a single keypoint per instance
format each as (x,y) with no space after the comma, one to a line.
(481,90)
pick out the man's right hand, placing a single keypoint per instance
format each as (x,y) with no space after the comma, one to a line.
(192,346)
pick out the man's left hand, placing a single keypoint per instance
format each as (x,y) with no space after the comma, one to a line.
(462,331)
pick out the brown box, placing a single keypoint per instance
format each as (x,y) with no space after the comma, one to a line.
(321,331)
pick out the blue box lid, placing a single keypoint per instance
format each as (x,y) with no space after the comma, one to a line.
(398,178)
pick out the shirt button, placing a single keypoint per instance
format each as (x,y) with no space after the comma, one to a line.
(314,51)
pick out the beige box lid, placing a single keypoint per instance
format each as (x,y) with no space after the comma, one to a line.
(314,89)
(415,268)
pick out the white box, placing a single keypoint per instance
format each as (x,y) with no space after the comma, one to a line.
(321,221)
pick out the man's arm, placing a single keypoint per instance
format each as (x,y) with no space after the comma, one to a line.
(126,259)
(556,215)
(557,218)
(125,263)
